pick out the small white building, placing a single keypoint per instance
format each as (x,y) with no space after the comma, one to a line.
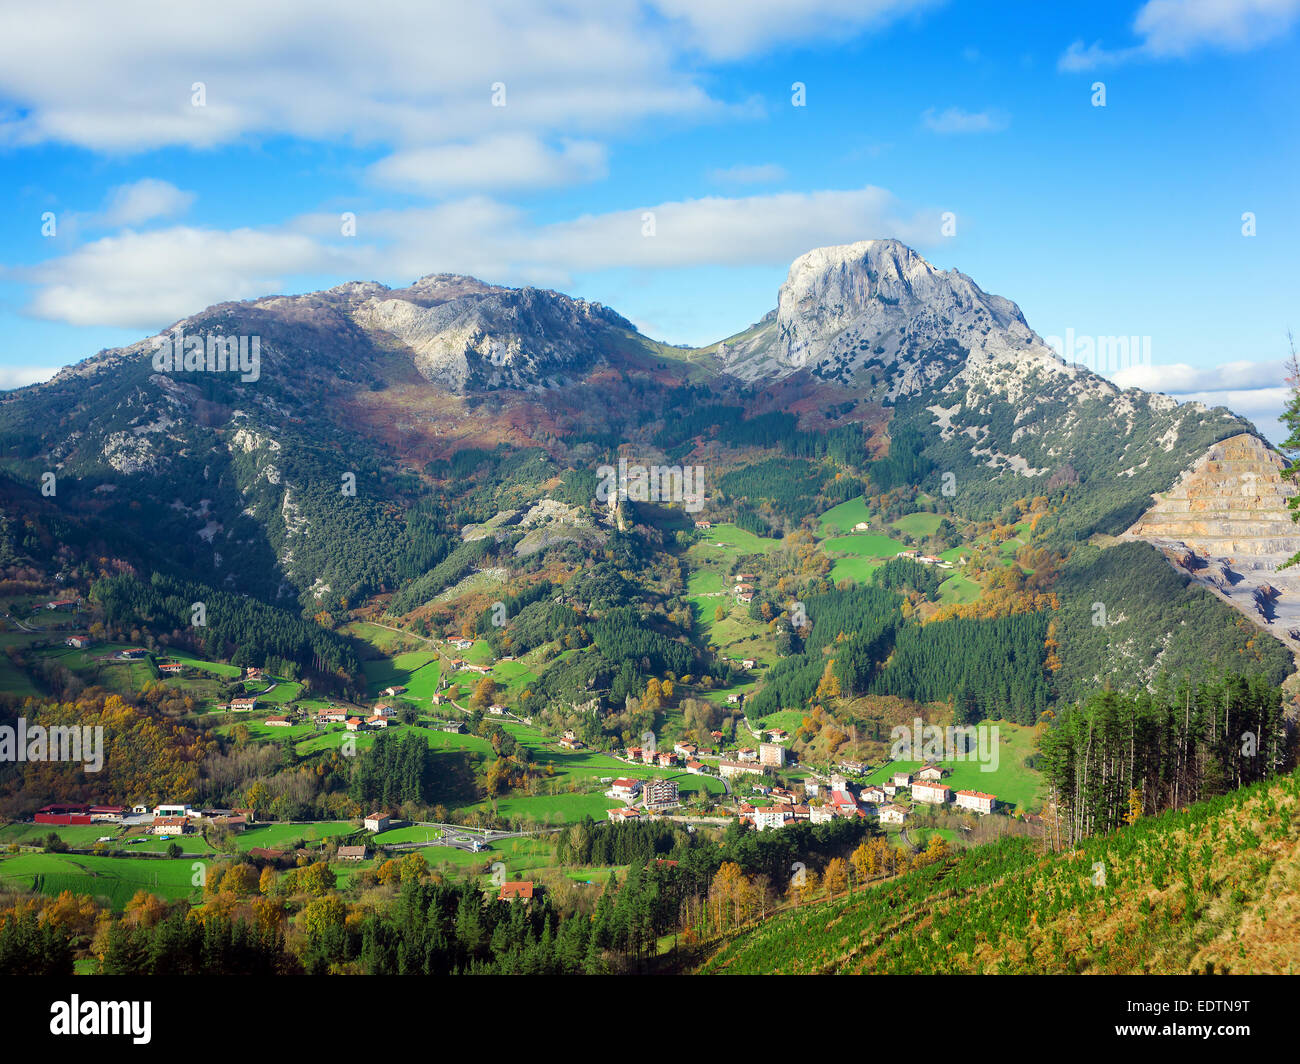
(892,814)
(377,822)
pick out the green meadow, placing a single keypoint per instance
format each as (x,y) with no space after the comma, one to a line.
(114,879)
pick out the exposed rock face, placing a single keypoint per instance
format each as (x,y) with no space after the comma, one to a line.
(1226,522)
(878,305)
(465,334)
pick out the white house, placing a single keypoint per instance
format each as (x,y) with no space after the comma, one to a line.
(892,814)
(377,822)
(930,793)
(976,801)
(625,789)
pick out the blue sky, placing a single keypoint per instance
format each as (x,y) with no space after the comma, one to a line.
(525,143)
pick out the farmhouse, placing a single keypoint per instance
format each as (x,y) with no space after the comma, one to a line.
(931,772)
(235,823)
(746,753)
(930,793)
(455,727)
(352,853)
(734,700)
(747,596)
(385,709)
(618,816)
(62,604)
(902,779)
(704,524)
(625,789)
(106,813)
(377,822)
(976,801)
(396,689)
(686,749)
(170,825)
(78,642)
(377,721)
(334,716)
(497,709)
(695,768)
(356,724)
(243,705)
(778,735)
(571,744)
(519,890)
(893,814)
(171,668)
(665,760)
(252,673)
(279,722)
(861,526)
(750,663)
(874,795)
(132,655)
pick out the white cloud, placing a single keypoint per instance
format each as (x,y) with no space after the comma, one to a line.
(1255,390)
(1174,29)
(508,160)
(758,174)
(148,280)
(400,72)
(1179,378)
(20,376)
(955,120)
(142,201)
(731,29)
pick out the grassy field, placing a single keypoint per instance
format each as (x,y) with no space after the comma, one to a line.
(959,589)
(399,671)
(272,836)
(728,540)
(114,879)
(858,570)
(865,545)
(844,516)
(73,834)
(553,810)
(918,524)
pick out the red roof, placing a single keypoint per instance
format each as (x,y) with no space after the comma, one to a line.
(521,889)
(979,794)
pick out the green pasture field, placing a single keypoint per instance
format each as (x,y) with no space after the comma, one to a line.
(114,879)
(274,836)
(844,516)
(918,524)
